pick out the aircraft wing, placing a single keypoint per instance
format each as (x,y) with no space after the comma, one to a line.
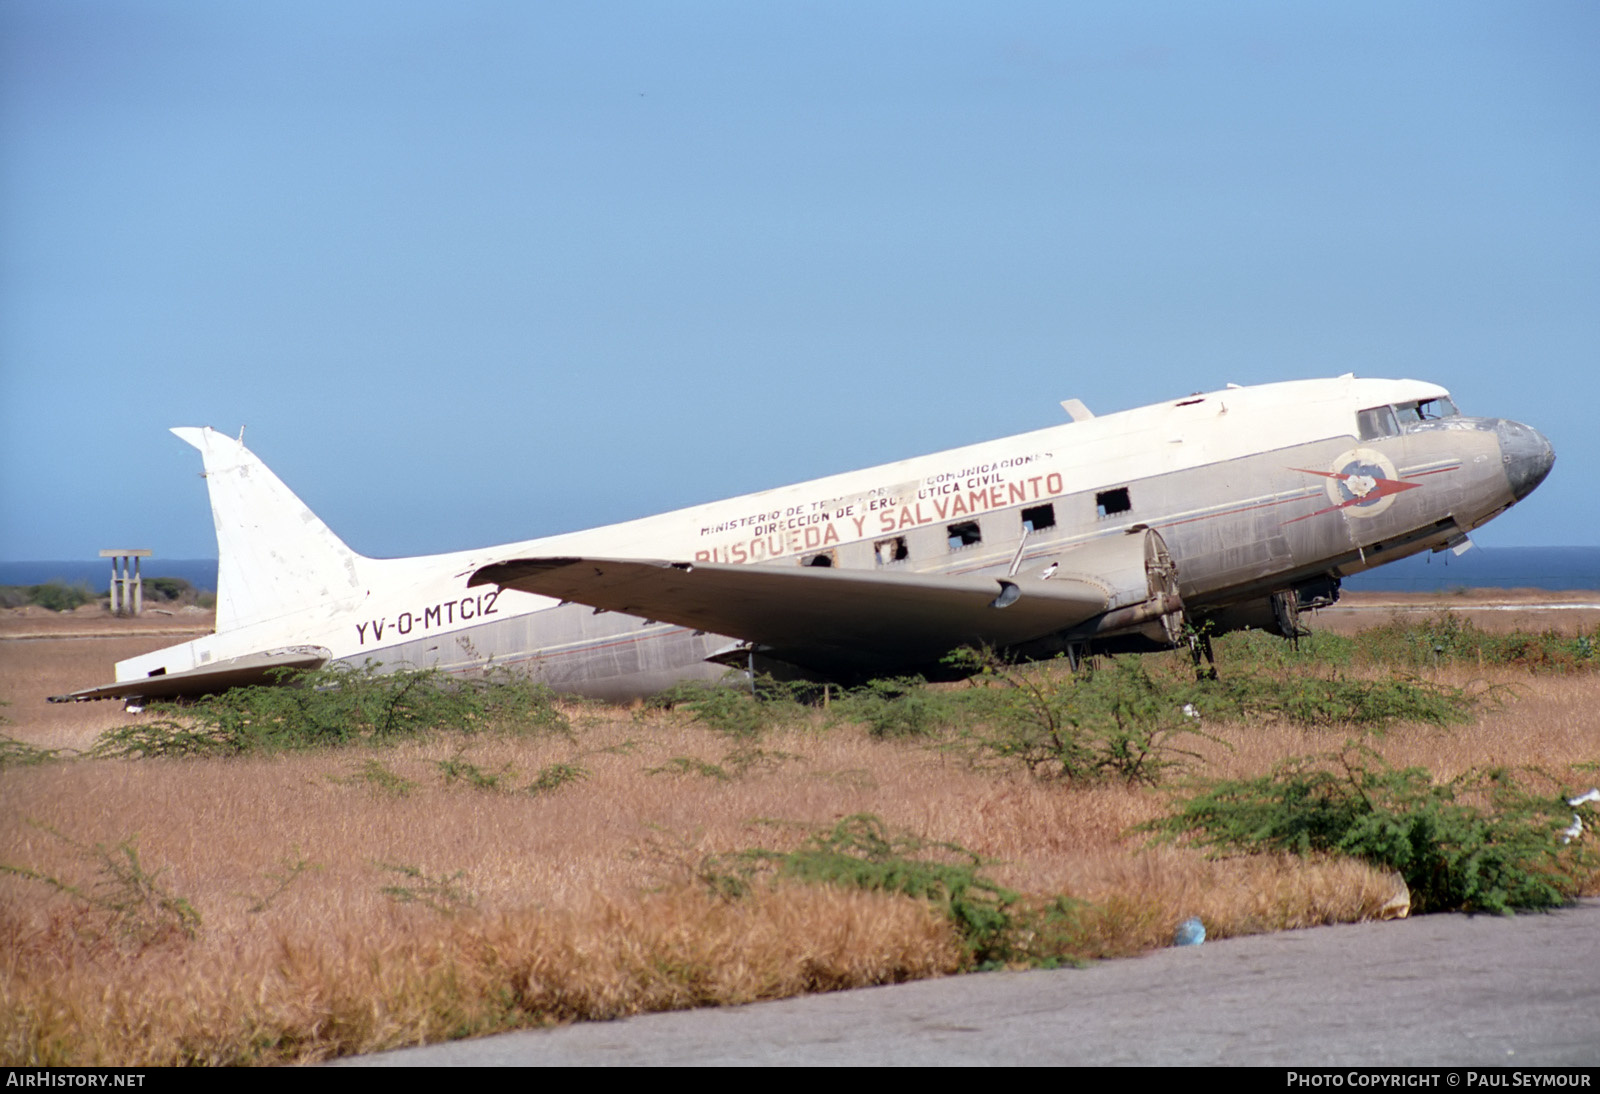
(823,618)
(236,672)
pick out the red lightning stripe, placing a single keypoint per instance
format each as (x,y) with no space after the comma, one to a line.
(1382,488)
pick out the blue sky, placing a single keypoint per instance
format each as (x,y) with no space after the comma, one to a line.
(475,272)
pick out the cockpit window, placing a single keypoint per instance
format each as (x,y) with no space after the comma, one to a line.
(1377,422)
(1425,410)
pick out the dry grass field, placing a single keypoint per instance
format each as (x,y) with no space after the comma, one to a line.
(1494,610)
(298,907)
(44,653)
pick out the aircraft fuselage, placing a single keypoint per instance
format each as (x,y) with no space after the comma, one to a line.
(1262,498)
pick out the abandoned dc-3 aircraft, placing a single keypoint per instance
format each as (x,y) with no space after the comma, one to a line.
(1239,507)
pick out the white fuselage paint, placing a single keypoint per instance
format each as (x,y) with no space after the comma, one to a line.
(286,580)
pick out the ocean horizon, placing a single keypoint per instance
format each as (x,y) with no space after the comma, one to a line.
(1551,568)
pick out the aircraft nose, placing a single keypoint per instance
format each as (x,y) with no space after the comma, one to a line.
(1526,454)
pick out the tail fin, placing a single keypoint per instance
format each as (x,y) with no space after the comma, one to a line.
(274,556)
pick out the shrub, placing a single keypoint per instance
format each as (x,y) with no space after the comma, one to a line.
(741,709)
(997,927)
(456,769)
(380,778)
(15,753)
(1448,638)
(444,893)
(338,705)
(860,852)
(123,901)
(553,777)
(1115,721)
(58,596)
(1477,843)
(690,765)
(169,589)
(903,706)
(1310,700)
(1257,651)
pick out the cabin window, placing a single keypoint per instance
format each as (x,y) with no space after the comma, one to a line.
(1038,518)
(1377,422)
(1108,503)
(821,558)
(964,534)
(891,550)
(1407,413)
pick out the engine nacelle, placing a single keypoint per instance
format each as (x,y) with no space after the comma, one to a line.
(1140,581)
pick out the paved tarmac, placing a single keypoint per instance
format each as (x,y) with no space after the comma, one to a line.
(1432,991)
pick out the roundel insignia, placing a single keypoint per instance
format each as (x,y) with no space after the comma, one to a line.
(1362,483)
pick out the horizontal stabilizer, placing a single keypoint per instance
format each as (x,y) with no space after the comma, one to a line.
(823,618)
(236,672)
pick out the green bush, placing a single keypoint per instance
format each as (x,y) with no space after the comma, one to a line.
(1448,638)
(903,706)
(1257,651)
(1114,720)
(553,777)
(446,894)
(1481,842)
(1308,699)
(738,709)
(861,853)
(1130,718)
(335,706)
(456,769)
(375,775)
(169,589)
(124,899)
(15,753)
(996,926)
(690,765)
(58,596)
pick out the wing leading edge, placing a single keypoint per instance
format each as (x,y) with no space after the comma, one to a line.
(831,620)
